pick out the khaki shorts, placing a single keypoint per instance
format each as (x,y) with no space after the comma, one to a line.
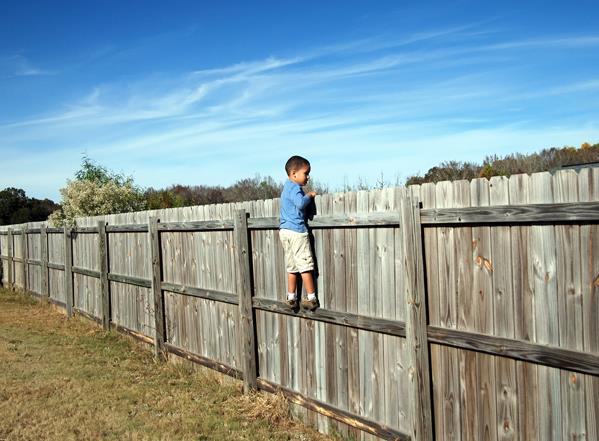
(298,256)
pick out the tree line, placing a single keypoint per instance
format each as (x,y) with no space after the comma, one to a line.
(95,190)
(516,163)
(17,208)
(247,189)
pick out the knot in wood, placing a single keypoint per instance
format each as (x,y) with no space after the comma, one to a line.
(411,372)
(573,379)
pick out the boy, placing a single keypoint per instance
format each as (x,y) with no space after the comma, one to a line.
(294,233)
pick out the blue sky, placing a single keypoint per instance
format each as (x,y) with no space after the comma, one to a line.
(212,92)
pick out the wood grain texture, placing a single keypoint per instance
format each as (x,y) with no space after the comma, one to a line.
(24,257)
(545,355)
(364,424)
(376,254)
(104,285)
(159,326)
(451,397)
(427,194)
(511,214)
(351,294)
(327,299)
(524,307)
(3,260)
(132,228)
(506,393)
(346,319)
(68,272)
(86,281)
(569,297)
(44,258)
(56,266)
(483,299)
(546,310)
(320,349)
(588,185)
(34,262)
(129,280)
(467,300)
(340,304)
(246,313)
(416,333)
(326,220)
(85,272)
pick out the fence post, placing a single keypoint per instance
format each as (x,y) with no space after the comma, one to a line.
(160,335)
(44,258)
(68,270)
(104,284)
(25,255)
(416,326)
(10,274)
(246,329)
(1,263)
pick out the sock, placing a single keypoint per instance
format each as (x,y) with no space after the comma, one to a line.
(291,296)
(312,296)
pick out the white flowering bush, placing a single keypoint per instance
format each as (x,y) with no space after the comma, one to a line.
(96,191)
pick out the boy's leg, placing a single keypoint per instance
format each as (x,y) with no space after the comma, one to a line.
(308,281)
(291,289)
(292,282)
(311,302)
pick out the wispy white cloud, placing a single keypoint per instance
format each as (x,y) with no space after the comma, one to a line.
(560,42)
(390,98)
(18,65)
(245,69)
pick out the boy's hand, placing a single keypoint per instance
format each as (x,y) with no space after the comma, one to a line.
(312,194)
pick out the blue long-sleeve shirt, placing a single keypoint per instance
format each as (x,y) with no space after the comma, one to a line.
(293,204)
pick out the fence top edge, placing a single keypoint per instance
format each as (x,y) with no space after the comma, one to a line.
(381,218)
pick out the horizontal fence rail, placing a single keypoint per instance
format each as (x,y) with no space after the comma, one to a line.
(513,214)
(586,212)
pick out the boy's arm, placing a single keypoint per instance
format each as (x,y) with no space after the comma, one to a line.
(300,200)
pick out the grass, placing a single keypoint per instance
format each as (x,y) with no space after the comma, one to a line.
(69,380)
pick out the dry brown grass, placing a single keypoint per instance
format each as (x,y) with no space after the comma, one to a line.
(273,408)
(69,380)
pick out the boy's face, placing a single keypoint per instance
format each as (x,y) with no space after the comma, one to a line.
(301,176)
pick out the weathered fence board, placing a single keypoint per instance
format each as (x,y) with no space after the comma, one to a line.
(588,184)
(85,267)
(482,297)
(568,277)
(416,326)
(547,324)
(68,269)
(503,315)
(449,368)
(244,289)
(524,317)
(157,292)
(44,257)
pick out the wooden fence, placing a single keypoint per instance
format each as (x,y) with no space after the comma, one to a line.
(456,311)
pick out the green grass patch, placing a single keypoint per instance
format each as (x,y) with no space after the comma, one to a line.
(69,380)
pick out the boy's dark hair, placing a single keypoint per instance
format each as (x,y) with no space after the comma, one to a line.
(295,163)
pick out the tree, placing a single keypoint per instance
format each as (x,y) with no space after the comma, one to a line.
(96,191)
(250,189)
(17,208)
(11,200)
